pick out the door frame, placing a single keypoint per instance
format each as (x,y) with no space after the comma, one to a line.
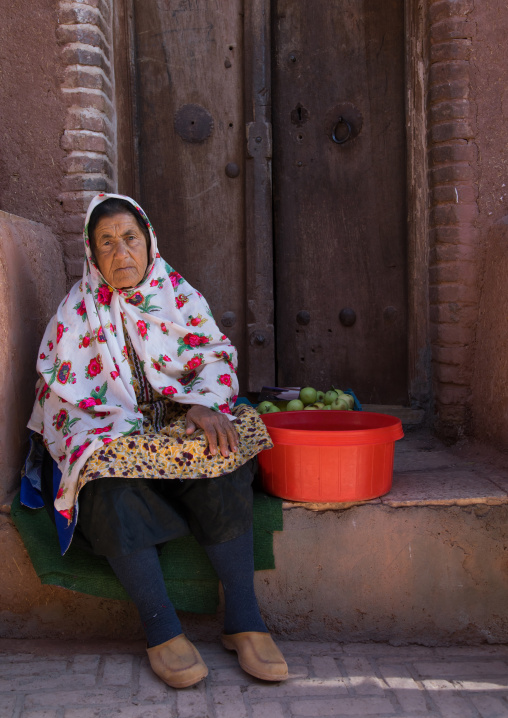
(258,181)
(416,71)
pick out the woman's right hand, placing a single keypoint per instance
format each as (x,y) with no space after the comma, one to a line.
(220,432)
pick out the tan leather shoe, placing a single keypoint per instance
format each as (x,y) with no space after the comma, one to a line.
(177,662)
(257,655)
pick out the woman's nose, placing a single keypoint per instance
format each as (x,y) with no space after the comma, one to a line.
(121,249)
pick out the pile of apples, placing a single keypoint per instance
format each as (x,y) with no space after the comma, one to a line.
(334,399)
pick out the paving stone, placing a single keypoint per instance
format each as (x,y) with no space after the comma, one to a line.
(192,703)
(85,664)
(309,648)
(343,706)
(410,696)
(325,680)
(33,667)
(229,675)
(383,650)
(7,704)
(218,655)
(228,702)
(453,706)
(361,676)
(292,688)
(117,671)
(45,682)
(497,684)
(471,651)
(121,711)
(151,689)
(490,707)
(438,684)
(324,667)
(297,671)
(15,658)
(461,669)
(297,660)
(268,710)
(107,695)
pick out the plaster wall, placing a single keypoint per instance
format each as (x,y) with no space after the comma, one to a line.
(429,575)
(32,112)
(32,283)
(490,385)
(490,88)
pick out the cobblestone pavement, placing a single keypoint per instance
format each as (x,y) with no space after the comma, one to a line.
(43,679)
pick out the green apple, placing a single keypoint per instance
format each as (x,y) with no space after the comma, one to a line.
(330,396)
(311,406)
(350,400)
(308,395)
(264,407)
(340,405)
(294,405)
(320,396)
(272,409)
(318,405)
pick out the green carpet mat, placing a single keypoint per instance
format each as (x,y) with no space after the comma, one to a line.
(190,579)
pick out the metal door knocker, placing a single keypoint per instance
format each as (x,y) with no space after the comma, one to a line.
(342,131)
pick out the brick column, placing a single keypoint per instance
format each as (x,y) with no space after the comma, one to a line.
(89,136)
(453,214)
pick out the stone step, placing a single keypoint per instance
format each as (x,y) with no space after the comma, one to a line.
(426,563)
(408,416)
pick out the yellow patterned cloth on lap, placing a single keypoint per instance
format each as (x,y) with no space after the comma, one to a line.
(165,450)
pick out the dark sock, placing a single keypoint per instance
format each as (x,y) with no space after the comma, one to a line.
(140,574)
(233,562)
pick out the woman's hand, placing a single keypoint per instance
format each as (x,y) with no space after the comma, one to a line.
(219,430)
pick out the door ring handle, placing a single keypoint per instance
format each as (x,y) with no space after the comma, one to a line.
(341,121)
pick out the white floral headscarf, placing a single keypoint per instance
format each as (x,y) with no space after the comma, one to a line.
(85,396)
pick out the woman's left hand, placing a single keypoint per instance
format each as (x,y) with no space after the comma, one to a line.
(219,430)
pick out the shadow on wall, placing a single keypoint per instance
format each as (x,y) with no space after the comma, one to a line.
(490,386)
(32,284)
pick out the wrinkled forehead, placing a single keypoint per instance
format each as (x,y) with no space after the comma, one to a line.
(119,223)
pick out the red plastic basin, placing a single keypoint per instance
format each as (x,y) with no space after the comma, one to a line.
(323,456)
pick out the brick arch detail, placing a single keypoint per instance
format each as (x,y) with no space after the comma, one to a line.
(452,158)
(89,137)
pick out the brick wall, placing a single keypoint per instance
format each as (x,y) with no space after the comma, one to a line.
(89,136)
(453,213)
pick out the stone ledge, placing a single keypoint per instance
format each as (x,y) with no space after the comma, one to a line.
(427,473)
(434,573)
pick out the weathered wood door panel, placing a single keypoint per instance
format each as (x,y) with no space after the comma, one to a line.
(204,149)
(192,144)
(340,210)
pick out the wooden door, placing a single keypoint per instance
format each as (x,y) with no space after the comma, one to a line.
(204,110)
(191,144)
(339,188)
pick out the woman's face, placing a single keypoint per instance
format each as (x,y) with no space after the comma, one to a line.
(120,250)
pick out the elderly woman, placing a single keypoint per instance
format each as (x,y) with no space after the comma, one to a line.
(135,403)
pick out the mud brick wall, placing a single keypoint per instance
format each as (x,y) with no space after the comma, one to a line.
(490,88)
(454,254)
(31,112)
(88,139)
